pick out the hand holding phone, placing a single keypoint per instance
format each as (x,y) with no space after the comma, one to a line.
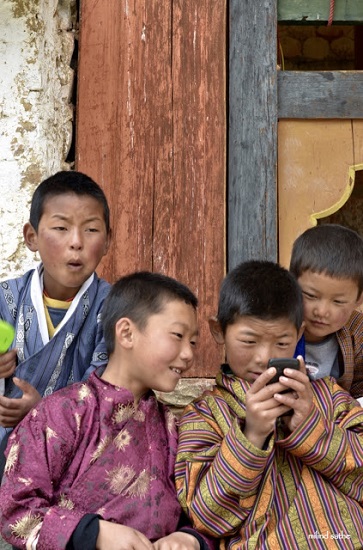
(280,365)
(299,391)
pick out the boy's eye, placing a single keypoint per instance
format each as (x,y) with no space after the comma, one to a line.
(309,295)
(178,335)
(339,302)
(248,342)
(92,230)
(193,343)
(282,345)
(60,228)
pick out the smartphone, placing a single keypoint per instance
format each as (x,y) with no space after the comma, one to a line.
(280,365)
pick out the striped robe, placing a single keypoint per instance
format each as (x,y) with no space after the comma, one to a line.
(76,348)
(305,490)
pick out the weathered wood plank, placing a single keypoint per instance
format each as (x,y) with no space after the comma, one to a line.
(111,125)
(189,225)
(152,130)
(303,94)
(252,224)
(317,11)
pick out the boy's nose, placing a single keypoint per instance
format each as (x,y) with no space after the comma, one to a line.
(76,240)
(263,354)
(187,353)
(321,309)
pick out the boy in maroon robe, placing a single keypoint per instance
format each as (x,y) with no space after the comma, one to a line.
(92,466)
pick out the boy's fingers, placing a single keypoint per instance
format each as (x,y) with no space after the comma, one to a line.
(7,364)
(302,364)
(295,380)
(263,379)
(23,385)
(17,403)
(9,402)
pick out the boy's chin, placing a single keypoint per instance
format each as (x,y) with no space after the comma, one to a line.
(165,388)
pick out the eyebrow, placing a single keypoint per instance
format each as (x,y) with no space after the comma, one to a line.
(248,332)
(257,334)
(65,217)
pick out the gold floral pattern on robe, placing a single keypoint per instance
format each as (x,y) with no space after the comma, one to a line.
(12,458)
(122,440)
(103,444)
(25,525)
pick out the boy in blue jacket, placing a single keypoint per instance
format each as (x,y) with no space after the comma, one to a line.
(55,308)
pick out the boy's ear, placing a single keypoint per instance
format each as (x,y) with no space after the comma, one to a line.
(124,334)
(216,330)
(360,300)
(108,242)
(30,237)
(301,331)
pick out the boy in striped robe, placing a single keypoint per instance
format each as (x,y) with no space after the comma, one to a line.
(259,468)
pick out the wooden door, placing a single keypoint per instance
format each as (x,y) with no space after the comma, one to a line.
(151,129)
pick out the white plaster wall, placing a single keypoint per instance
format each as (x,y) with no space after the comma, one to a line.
(36,46)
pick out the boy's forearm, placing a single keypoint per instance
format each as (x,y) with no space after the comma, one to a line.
(230,481)
(333,446)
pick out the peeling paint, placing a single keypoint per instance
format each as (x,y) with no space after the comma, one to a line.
(27,106)
(36,82)
(22,7)
(143,33)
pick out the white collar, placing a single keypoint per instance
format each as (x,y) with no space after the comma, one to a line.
(36,293)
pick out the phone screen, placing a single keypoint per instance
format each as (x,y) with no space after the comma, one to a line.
(280,365)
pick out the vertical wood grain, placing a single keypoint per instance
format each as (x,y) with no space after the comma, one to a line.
(151,130)
(252,196)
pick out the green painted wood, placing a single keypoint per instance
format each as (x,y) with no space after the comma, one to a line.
(317,11)
(327,94)
(252,200)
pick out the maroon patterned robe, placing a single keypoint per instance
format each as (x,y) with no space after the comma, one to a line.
(87,449)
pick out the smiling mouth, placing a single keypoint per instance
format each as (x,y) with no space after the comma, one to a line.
(177,371)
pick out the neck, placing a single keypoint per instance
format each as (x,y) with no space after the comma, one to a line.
(114,374)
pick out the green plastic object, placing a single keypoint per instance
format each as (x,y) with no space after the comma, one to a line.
(7,334)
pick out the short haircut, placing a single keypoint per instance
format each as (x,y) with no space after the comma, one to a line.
(331,249)
(138,296)
(260,289)
(62,183)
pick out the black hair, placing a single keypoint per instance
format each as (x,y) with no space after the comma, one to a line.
(331,249)
(66,182)
(137,296)
(260,289)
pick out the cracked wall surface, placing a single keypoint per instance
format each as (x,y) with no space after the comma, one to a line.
(36,114)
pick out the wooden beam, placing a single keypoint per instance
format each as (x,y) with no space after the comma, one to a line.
(252,204)
(317,11)
(327,94)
